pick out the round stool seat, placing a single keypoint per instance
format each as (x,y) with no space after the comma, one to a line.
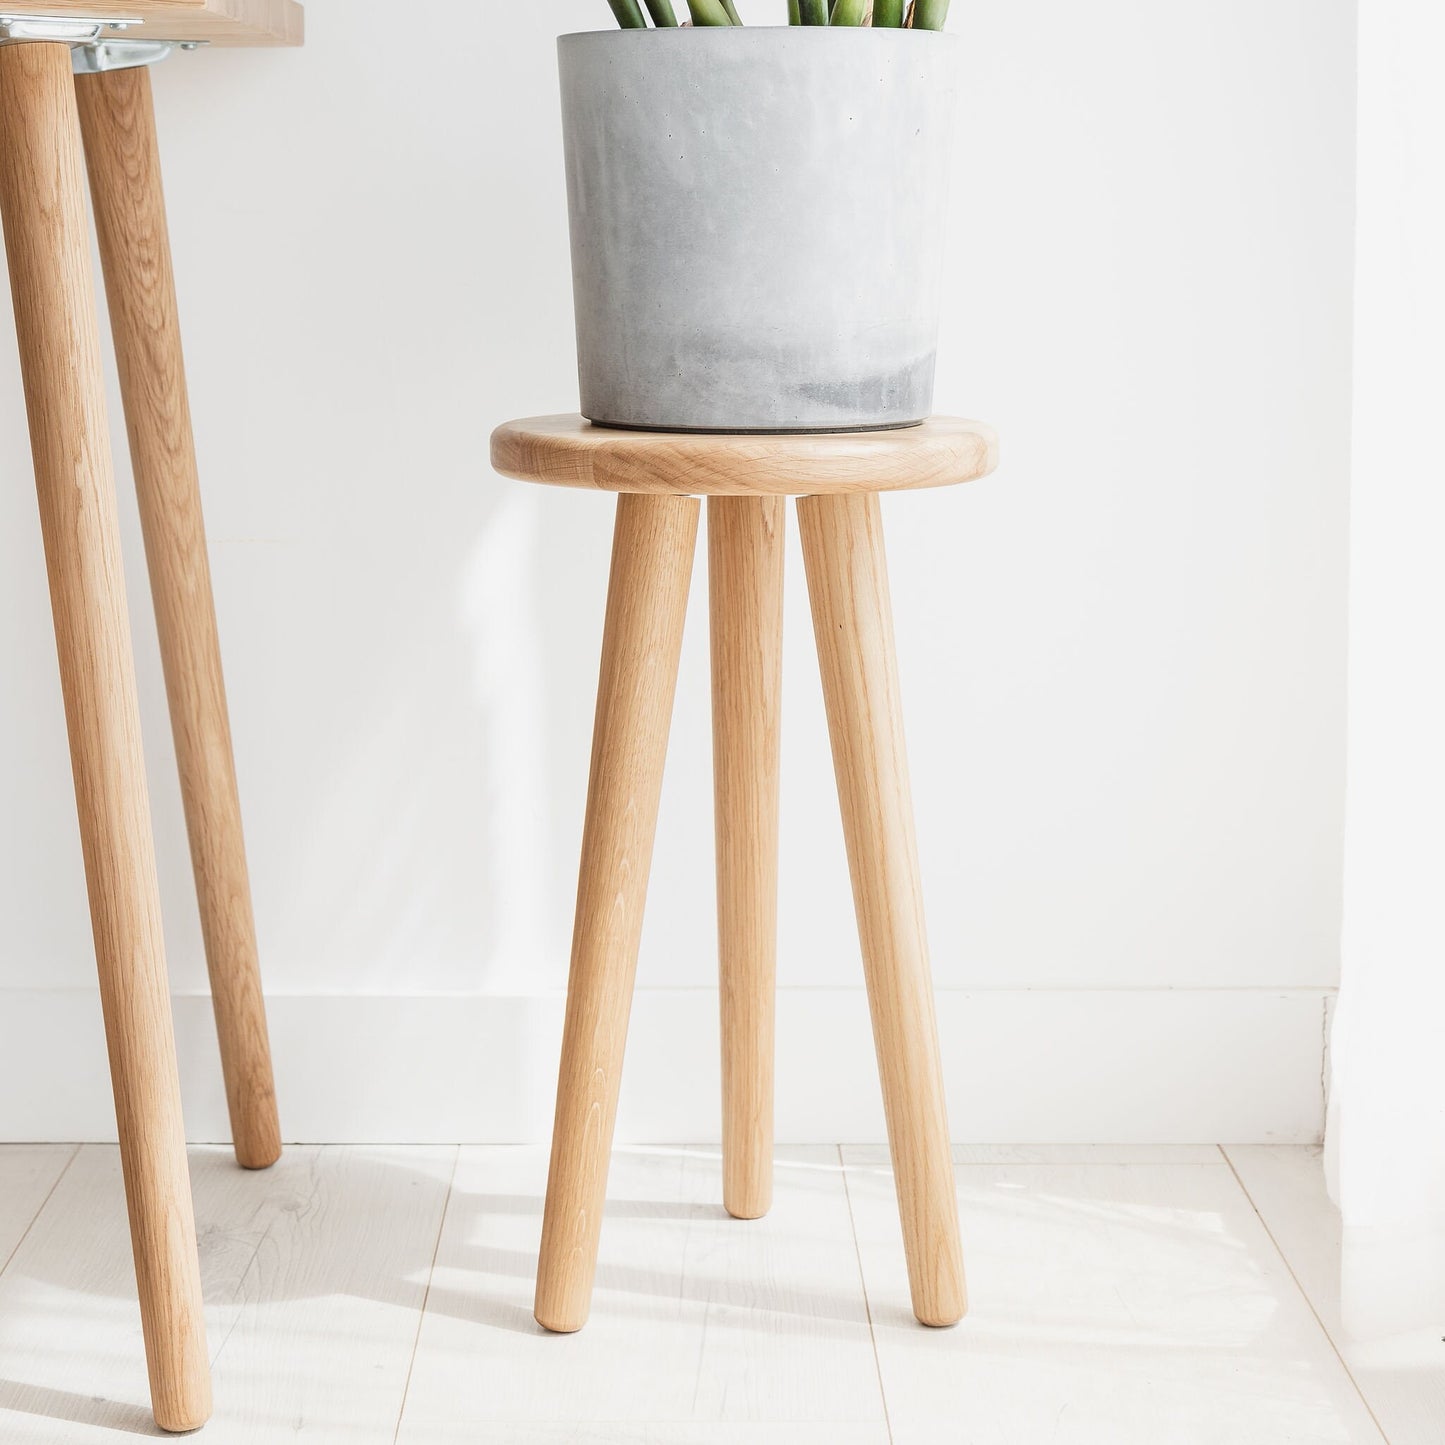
(569,451)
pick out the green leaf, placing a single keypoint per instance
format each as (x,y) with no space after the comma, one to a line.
(732,11)
(887,14)
(793,17)
(848,12)
(629,14)
(661,12)
(930,14)
(708,12)
(813,12)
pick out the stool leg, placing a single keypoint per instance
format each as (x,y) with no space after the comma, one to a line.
(848,584)
(118,124)
(652,553)
(745,571)
(47,242)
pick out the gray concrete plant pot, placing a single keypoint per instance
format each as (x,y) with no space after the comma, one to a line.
(757,224)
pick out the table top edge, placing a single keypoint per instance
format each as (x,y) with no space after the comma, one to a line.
(232,24)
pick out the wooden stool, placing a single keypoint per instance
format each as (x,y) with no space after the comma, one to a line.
(51,126)
(746,478)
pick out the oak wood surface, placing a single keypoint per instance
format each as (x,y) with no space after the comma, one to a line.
(47,238)
(221,22)
(704,1331)
(652,556)
(707,1332)
(567,451)
(745,576)
(117,121)
(1145,1252)
(314,1272)
(852,619)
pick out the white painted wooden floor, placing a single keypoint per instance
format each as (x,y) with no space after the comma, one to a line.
(1121,1296)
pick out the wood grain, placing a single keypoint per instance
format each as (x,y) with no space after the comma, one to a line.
(221,22)
(745,573)
(314,1275)
(117,120)
(652,556)
(1136,1298)
(852,619)
(566,451)
(48,246)
(704,1330)
(1130,1304)
(333,1247)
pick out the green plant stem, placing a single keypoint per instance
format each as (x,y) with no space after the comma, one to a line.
(707,12)
(812,12)
(848,12)
(887,14)
(629,14)
(661,12)
(793,17)
(732,11)
(930,14)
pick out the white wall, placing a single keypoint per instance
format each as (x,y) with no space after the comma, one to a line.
(1122,656)
(1387,1117)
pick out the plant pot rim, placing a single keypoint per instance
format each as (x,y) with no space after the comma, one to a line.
(715,33)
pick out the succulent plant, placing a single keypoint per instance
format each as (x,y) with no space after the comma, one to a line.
(628,13)
(881,14)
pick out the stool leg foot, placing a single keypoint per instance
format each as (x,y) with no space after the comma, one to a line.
(848,584)
(652,553)
(118,124)
(48,245)
(745,571)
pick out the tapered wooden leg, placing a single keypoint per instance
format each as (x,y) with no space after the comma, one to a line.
(118,123)
(48,245)
(745,572)
(652,553)
(848,584)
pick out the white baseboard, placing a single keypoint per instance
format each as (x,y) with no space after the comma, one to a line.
(1024,1066)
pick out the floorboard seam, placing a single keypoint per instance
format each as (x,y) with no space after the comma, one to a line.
(1304,1295)
(426,1294)
(49,1193)
(867,1306)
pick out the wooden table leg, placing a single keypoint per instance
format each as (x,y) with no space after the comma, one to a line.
(652,554)
(117,121)
(47,241)
(848,584)
(745,572)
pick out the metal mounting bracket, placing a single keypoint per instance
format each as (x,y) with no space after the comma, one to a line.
(103,55)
